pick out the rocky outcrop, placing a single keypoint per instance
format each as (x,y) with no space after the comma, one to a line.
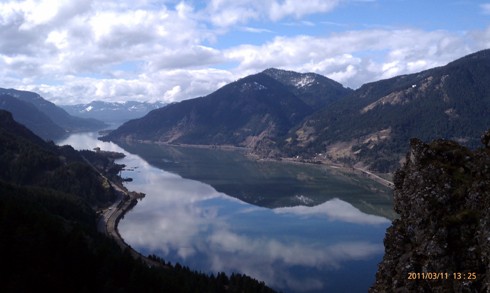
(441,241)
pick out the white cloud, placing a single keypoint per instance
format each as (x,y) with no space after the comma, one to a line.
(224,13)
(485,8)
(355,57)
(227,13)
(281,9)
(256,30)
(147,50)
(481,39)
(186,57)
(166,85)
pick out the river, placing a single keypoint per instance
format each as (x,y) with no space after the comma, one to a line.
(298,228)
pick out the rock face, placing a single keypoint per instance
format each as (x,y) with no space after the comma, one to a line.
(442,195)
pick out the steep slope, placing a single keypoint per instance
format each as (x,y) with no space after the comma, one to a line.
(440,243)
(112,112)
(372,126)
(242,113)
(31,117)
(55,113)
(28,160)
(10,127)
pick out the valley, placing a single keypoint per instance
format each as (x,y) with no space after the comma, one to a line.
(278,169)
(204,205)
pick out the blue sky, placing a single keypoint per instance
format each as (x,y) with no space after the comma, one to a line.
(77,51)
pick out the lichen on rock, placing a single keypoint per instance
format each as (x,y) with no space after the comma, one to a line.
(442,194)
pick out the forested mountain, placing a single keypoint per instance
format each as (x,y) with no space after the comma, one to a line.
(247,112)
(49,240)
(112,112)
(279,113)
(56,114)
(28,160)
(372,126)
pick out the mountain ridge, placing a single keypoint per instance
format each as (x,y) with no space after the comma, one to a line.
(247,112)
(55,113)
(372,126)
(368,128)
(112,112)
(313,89)
(43,117)
(29,115)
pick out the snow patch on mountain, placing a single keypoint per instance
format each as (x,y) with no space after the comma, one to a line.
(305,80)
(113,111)
(248,86)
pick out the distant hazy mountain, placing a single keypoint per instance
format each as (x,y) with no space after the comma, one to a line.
(112,112)
(372,127)
(248,112)
(55,113)
(28,115)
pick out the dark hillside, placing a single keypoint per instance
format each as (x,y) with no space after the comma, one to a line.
(55,113)
(49,240)
(27,160)
(28,115)
(241,114)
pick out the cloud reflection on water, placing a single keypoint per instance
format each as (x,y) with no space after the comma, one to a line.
(338,210)
(192,220)
(271,260)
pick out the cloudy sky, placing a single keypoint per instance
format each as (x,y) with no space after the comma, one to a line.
(73,51)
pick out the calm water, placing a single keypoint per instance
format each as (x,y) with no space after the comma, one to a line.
(309,229)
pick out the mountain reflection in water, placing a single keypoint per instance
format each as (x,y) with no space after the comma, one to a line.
(330,247)
(267,183)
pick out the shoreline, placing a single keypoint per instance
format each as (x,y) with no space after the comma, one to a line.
(327,163)
(109,217)
(334,165)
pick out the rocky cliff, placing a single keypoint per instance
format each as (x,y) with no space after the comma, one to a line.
(441,242)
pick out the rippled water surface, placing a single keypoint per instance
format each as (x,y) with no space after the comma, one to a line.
(298,228)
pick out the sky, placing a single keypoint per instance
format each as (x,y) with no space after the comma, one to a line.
(77,51)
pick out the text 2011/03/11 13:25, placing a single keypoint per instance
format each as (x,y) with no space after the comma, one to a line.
(470,276)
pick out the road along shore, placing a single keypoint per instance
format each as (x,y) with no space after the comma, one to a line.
(109,219)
